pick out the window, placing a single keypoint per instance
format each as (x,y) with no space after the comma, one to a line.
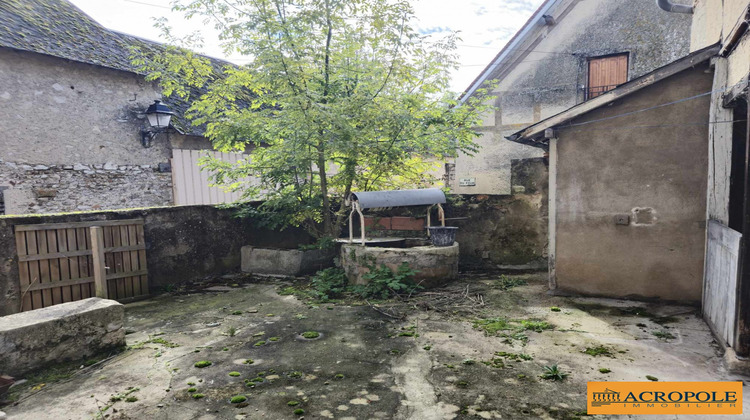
(606,73)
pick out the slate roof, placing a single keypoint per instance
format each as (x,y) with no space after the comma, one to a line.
(59,29)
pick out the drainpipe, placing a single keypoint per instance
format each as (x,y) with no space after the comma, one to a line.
(675,8)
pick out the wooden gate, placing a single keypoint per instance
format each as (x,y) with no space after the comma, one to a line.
(720,287)
(65,262)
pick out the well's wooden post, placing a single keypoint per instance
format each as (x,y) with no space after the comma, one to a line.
(100,269)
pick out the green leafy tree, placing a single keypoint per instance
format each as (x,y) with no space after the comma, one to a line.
(339,96)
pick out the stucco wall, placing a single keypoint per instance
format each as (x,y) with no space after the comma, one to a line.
(546,74)
(62,112)
(183,244)
(650,166)
(71,137)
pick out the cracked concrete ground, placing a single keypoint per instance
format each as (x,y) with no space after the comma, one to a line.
(432,364)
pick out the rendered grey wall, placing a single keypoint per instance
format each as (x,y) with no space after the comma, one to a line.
(546,74)
(71,137)
(651,166)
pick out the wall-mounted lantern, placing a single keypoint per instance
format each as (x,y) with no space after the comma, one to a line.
(158,116)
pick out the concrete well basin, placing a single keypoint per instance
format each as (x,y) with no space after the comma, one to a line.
(435,266)
(285,262)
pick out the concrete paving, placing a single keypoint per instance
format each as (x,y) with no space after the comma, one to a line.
(432,364)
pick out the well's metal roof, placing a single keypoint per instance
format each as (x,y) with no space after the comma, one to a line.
(399,198)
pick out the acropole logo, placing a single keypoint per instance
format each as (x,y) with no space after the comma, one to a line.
(665,398)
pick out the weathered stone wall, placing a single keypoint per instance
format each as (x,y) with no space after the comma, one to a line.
(63,112)
(60,188)
(60,333)
(546,75)
(71,137)
(509,231)
(183,244)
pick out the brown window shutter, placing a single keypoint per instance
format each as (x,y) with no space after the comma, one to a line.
(606,73)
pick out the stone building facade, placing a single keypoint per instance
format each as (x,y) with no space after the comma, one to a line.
(544,70)
(71,113)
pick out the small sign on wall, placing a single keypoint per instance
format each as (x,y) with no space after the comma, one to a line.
(467,182)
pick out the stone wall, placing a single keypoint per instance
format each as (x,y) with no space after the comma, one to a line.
(60,188)
(183,244)
(71,137)
(508,231)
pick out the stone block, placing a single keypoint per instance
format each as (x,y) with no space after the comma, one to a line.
(284,262)
(45,192)
(68,331)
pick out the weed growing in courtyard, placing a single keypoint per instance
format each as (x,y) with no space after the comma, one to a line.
(553,373)
(652,378)
(516,328)
(604,370)
(514,356)
(383,283)
(505,282)
(329,284)
(664,335)
(203,363)
(310,334)
(598,351)
(536,326)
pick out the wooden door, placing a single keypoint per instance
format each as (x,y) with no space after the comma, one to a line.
(606,73)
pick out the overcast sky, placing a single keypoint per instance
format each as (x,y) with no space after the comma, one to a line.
(483,25)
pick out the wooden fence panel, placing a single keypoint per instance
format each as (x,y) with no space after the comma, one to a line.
(56,262)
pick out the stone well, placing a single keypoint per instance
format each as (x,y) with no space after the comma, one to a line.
(435,266)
